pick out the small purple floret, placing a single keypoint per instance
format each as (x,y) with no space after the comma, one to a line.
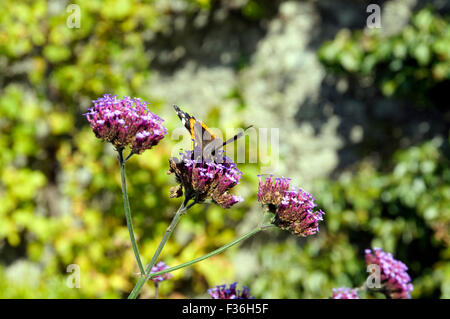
(160,266)
(222,292)
(345,293)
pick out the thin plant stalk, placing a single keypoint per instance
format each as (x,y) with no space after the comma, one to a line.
(156,290)
(126,205)
(142,280)
(181,211)
(214,252)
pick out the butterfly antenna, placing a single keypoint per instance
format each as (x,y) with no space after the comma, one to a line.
(239,135)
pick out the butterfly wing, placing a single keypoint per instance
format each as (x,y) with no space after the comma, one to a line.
(202,135)
(185,119)
(206,140)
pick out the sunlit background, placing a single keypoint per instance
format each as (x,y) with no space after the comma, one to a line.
(363,118)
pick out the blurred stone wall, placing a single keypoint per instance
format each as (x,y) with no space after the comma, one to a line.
(325,123)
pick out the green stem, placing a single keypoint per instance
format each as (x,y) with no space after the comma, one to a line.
(142,280)
(126,205)
(128,157)
(183,208)
(156,290)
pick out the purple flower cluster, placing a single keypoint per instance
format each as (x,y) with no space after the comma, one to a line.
(345,293)
(160,266)
(125,122)
(294,209)
(205,179)
(394,276)
(271,191)
(222,292)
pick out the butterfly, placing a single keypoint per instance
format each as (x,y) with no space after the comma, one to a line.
(202,136)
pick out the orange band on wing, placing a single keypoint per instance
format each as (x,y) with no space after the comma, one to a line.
(192,128)
(191,125)
(209,131)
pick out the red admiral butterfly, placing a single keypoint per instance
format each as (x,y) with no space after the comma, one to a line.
(202,135)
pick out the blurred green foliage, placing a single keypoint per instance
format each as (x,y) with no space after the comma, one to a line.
(60,186)
(405,211)
(414,64)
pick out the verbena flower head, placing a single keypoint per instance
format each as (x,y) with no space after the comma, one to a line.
(222,292)
(345,293)
(125,122)
(271,191)
(205,179)
(294,209)
(394,277)
(160,266)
